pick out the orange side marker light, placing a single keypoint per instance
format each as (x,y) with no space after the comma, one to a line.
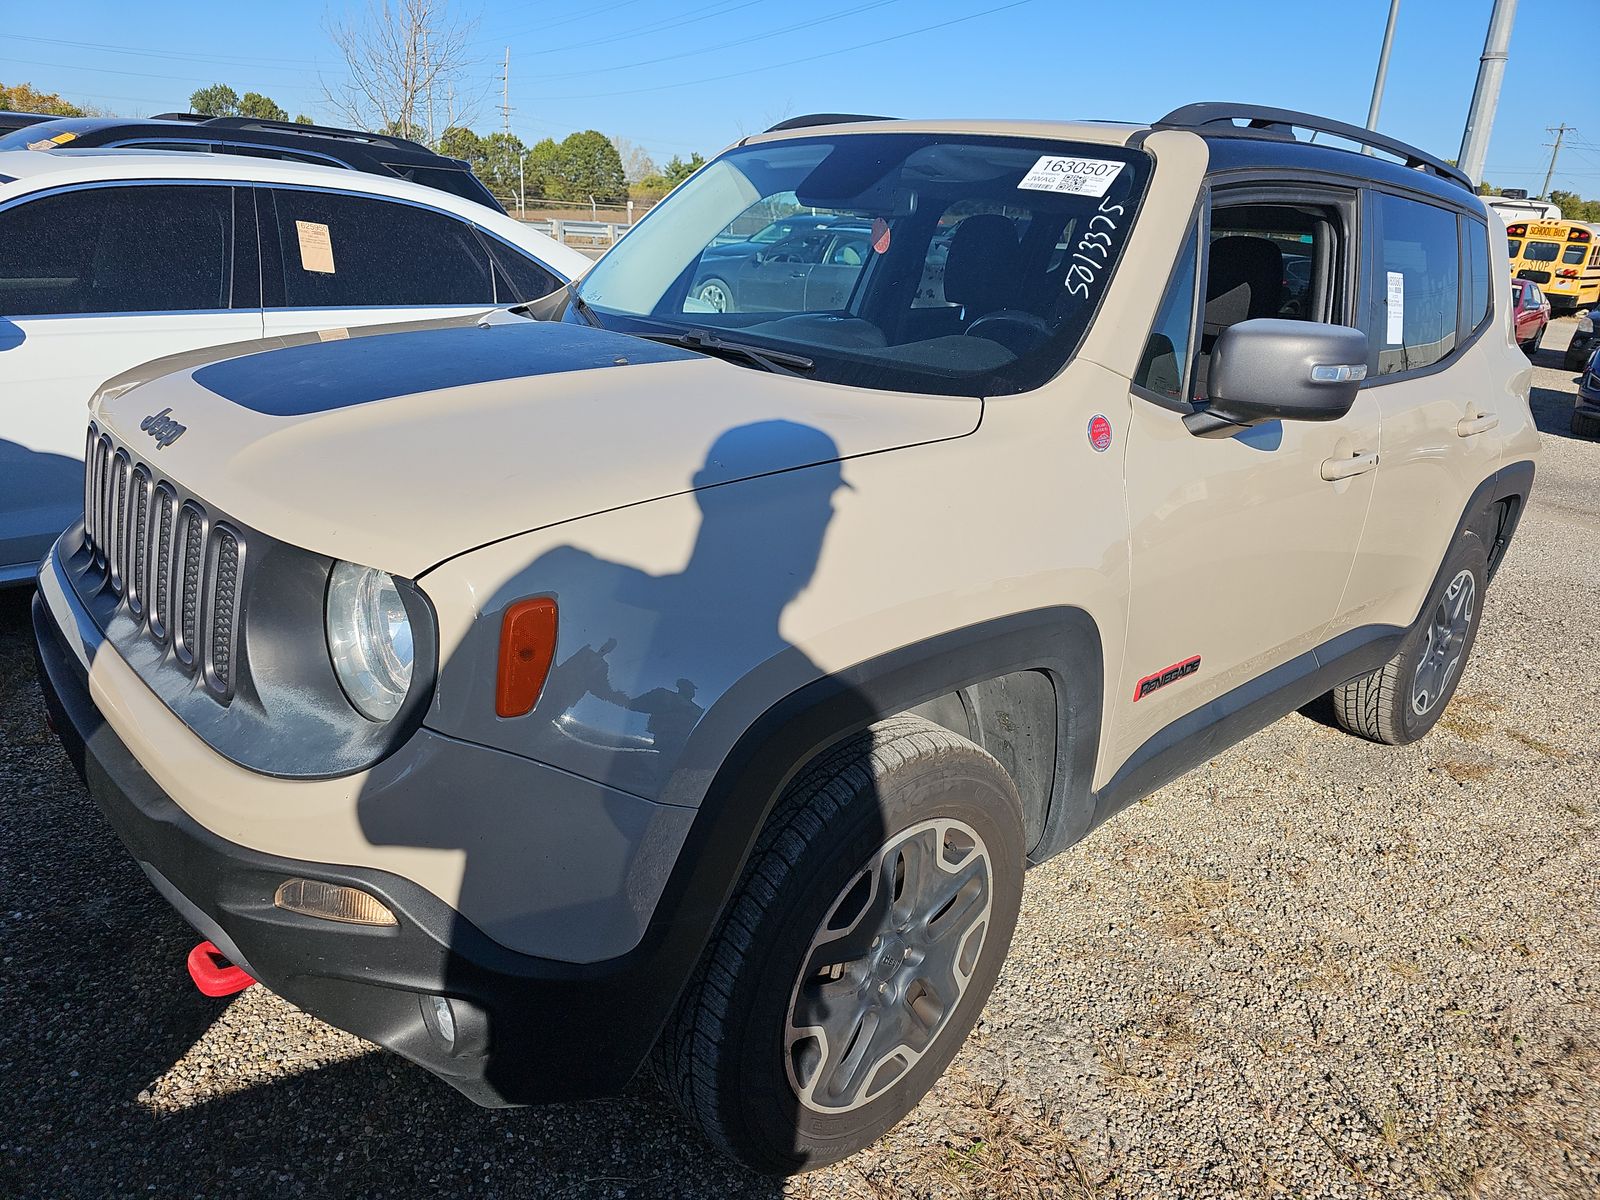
(527,648)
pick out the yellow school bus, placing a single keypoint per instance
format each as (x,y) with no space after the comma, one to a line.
(1562,257)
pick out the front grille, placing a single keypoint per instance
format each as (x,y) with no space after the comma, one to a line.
(174,564)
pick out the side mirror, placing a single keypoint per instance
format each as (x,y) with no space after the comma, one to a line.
(1275,370)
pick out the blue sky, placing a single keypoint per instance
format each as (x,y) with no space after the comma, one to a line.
(663,74)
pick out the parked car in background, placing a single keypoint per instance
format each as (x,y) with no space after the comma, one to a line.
(1583,342)
(814,267)
(112,257)
(1530,311)
(14,120)
(1586,411)
(323,145)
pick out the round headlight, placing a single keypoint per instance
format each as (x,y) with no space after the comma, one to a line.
(369,639)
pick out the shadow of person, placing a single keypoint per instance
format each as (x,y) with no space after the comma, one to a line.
(642,660)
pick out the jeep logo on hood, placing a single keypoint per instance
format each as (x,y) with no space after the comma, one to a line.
(163,428)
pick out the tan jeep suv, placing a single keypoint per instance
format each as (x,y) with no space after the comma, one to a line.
(633,678)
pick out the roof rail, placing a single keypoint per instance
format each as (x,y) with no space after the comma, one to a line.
(360,135)
(811,119)
(1280,123)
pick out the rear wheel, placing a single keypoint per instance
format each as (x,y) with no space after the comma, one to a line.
(1583,425)
(1531,346)
(857,953)
(1403,699)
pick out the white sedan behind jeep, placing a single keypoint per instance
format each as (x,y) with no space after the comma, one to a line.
(110,258)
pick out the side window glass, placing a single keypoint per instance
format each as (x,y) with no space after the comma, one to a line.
(1268,260)
(1416,294)
(518,278)
(117,250)
(1478,266)
(342,251)
(1166,356)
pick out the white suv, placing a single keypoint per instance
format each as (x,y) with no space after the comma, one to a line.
(111,258)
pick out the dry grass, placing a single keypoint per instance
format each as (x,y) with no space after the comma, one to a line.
(1470,715)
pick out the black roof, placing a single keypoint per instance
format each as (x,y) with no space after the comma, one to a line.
(370,153)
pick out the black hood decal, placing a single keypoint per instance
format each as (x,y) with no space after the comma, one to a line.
(299,380)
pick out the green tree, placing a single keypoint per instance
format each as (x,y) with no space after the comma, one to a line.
(261,108)
(460,142)
(24,97)
(588,166)
(540,165)
(502,160)
(218,100)
(302,119)
(1574,207)
(678,170)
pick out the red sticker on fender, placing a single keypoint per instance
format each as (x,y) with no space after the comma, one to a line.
(1100,432)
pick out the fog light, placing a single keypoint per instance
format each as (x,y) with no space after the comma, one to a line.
(332,902)
(440,1019)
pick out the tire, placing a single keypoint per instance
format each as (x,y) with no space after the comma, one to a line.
(1403,699)
(1574,362)
(1531,347)
(716,293)
(1584,425)
(746,1055)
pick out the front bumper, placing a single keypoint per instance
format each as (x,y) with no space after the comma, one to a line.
(529,1029)
(1578,351)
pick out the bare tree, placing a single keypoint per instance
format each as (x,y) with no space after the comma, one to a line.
(407,64)
(636,161)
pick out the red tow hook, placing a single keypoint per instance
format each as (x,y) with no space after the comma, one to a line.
(213,974)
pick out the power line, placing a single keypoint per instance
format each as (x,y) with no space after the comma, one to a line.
(1560,131)
(221,59)
(293,87)
(853,10)
(797,61)
(678,21)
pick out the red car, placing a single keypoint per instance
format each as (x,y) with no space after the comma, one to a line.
(1531,313)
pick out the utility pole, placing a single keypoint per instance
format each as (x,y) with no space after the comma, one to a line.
(1561,132)
(505,92)
(1383,70)
(427,73)
(1486,95)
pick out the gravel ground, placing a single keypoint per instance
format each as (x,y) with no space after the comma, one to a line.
(1314,967)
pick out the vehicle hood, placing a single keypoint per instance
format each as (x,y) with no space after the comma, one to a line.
(403,449)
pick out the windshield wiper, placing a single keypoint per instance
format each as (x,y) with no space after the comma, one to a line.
(582,305)
(778,361)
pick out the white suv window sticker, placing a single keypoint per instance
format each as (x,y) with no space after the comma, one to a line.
(1396,333)
(1075,176)
(316,247)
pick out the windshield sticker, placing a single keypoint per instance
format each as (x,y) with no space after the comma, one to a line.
(316,247)
(880,235)
(1074,176)
(1396,333)
(1093,250)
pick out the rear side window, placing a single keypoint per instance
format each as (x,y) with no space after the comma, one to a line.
(518,277)
(117,250)
(1416,295)
(341,251)
(1477,290)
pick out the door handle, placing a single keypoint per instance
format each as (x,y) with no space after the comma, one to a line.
(1335,469)
(1469,426)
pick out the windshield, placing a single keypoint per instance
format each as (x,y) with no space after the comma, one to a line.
(907,261)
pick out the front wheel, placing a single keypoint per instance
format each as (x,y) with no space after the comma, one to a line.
(867,932)
(1403,699)
(1531,346)
(717,294)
